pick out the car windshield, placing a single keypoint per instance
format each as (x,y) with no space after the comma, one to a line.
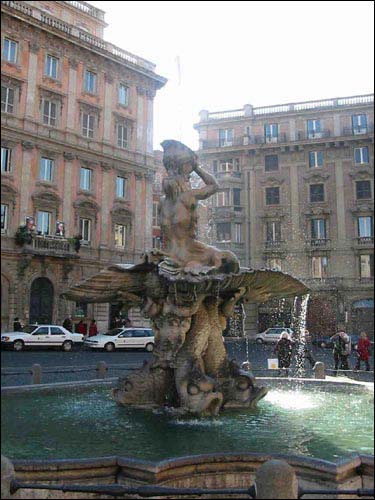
(113,332)
(29,328)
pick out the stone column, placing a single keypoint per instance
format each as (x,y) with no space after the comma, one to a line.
(32,80)
(150,121)
(336,125)
(292,129)
(140,94)
(72,94)
(28,152)
(138,232)
(106,225)
(253,218)
(340,203)
(67,198)
(148,214)
(108,92)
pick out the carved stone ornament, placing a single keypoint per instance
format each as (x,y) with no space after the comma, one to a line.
(27,146)
(73,63)
(361,175)
(108,78)
(313,211)
(316,177)
(34,47)
(361,208)
(69,156)
(46,199)
(273,181)
(188,290)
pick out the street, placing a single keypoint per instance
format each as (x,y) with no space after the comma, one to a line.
(82,357)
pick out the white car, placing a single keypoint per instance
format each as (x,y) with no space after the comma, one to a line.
(272,335)
(118,338)
(42,335)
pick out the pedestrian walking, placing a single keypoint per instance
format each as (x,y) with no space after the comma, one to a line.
(93,329)
(284,349)
(341,350)
(68,324)
(363,351)
(18,325)
(81,328)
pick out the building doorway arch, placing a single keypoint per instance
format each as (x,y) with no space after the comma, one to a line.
(41,301)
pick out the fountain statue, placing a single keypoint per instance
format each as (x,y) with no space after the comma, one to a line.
(187,290)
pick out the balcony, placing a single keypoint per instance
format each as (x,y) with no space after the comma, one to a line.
(350,131)
(228,175)
(227,213)
(319,243)
(274,246)
(365,241)
(312,134)
(52,246)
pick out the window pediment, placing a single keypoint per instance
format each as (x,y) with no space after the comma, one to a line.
(363,208)
(314,211)
(46,199)
(86,205)
(7,190)
(52,94)
(316,177)
(12,81)
(360,175)
(272,181)
(88,107)
(121,214)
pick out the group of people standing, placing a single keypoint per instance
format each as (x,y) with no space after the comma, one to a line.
(81,327)
(342,349)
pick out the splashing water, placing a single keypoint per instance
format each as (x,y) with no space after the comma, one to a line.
(299,327)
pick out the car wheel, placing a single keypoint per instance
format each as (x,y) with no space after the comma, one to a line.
(259,341)
(149,347)
(110,347)
(67,346)
(18,345)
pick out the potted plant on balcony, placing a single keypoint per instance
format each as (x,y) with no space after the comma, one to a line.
(23,236)
(76,242)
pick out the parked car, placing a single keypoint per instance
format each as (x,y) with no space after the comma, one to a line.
(41,336)
(272,335)
(122,338)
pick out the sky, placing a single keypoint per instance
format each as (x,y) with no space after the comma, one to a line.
(236,53)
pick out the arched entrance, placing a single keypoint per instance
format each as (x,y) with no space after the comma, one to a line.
(41,301)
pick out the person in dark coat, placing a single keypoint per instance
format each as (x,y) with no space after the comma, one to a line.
(284,349)
(17,325)
(93,329)
(341,350)
(307,349)
(68,323)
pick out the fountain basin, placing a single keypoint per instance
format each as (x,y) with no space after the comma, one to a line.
(321,420)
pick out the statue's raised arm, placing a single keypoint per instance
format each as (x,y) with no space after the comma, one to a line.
(209,189)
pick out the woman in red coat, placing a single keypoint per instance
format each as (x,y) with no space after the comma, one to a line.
(363,351)
(93,329)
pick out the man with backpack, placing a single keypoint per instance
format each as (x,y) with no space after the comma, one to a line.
(342,347)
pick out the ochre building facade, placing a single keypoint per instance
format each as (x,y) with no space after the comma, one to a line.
(297,194)
(76,157)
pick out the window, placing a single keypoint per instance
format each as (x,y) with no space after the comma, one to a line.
(237,165)
(366,263)
(273,231)
(44,222)
(214,166)
(155,214)
(223,231)
(316,192)
(315,159)
(271,162)
(225,137)
(85,230)
(361,155)
(274,264)
(85,179)
(10,50)
(120,236)
(223,199)
(157,242)
(318,229)
(363,190)
(7,99)
(45,170)
(4,217)
(238,232)
(51,66)
(226,166)
(120,187)
(90,82)
(5,159)
(122,136)
(319,267)
(55,330)
(123,94)
(88,125)
(314,129)
(236,197)
(49,113)
(271,132)
(359,124)
(81,310)
(365,227)
(272,196)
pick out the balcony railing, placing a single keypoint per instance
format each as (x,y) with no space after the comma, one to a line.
(81,35)
(87,8)
(365,240)
(51,245)
(273,245)
(368,129)
(226,175)
(311,134)
(319,242)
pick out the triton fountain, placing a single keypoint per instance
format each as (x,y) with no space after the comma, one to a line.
(187,291)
